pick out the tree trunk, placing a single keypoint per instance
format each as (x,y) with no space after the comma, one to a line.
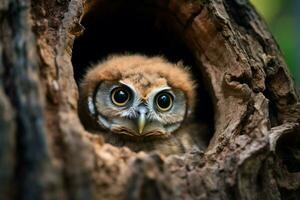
(45,153)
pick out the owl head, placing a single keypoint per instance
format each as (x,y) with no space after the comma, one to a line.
(136,96)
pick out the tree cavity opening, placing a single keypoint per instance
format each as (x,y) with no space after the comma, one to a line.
(120,27)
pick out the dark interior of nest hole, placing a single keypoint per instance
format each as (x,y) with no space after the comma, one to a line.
(133,29)
(288,150)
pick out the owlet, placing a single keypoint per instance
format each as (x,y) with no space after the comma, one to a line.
(143,103)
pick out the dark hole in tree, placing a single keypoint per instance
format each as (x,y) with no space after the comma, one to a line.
(131,27)
(288,150)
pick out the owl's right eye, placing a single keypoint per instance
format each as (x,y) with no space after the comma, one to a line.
(120,96)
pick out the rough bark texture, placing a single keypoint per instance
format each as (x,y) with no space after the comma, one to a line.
(45,153)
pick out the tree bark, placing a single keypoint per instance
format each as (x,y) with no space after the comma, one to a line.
(45,153)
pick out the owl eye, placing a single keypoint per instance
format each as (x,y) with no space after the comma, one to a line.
(120,96)
(164,101)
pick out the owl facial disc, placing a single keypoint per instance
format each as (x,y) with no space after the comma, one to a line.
(121,108)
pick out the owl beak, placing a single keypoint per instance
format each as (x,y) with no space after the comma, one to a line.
(141,122)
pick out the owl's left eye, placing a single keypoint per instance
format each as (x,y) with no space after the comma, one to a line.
(120,96)
(164,101)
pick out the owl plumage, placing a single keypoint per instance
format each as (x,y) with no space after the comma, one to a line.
(144,103)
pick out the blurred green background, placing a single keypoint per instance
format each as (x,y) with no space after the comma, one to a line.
(283,19)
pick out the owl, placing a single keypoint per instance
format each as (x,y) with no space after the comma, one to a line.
(143,103)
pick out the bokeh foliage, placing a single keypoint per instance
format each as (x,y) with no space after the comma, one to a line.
(284,20)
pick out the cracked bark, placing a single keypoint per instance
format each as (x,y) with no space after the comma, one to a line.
(45,153)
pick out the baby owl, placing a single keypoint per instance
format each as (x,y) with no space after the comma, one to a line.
(143,103)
